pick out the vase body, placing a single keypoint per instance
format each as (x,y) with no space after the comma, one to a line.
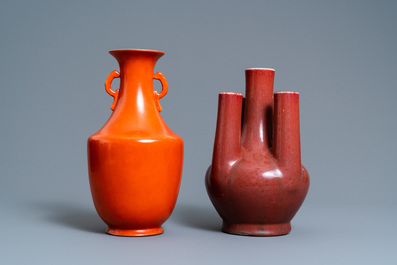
(135,161)
(256,181)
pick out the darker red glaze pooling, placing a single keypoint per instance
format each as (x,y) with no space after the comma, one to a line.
(256,188)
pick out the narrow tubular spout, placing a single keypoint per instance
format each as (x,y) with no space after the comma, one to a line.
(286,141)
(228,129)
(257,127)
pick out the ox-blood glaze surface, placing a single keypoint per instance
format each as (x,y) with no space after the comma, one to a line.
(256,180)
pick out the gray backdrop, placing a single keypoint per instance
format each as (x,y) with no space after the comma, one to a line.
(340,55)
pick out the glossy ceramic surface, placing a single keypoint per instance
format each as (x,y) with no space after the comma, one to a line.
(256,181)
(135,160)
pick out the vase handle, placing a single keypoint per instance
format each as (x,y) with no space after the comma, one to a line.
(159,76)
(115,94)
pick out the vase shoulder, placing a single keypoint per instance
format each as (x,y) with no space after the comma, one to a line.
(136,135)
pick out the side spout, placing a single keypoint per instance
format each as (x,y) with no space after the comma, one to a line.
(228,134)
(286,141)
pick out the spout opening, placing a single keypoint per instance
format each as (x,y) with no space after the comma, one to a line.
(260,69)
(286,92)
(231,94)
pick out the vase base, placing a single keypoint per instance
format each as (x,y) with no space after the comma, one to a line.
(257,229)
(135,232)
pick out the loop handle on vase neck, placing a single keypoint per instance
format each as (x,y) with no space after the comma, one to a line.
(159,76)
(115,94)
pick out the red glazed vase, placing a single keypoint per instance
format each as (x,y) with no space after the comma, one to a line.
(256,181)
(135,160)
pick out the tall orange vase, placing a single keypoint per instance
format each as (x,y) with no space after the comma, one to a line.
(135,161)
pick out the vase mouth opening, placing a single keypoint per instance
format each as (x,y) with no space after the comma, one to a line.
(136,50)
(260,69)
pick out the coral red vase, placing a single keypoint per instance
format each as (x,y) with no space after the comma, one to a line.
(256,181)
(135,160)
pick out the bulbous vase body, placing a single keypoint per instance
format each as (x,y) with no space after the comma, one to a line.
(256,181)
(135,161)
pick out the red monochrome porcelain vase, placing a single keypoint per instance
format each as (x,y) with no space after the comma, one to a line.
(135,160)
(256,181)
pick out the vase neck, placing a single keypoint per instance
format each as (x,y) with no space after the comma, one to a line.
(257,121)
(136,78)
(136,104)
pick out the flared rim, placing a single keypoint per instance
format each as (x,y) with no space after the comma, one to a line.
(135,50)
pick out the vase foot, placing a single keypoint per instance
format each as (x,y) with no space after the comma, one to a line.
(135,232)
(257,229)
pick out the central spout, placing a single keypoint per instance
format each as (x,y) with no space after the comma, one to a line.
(257,121)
